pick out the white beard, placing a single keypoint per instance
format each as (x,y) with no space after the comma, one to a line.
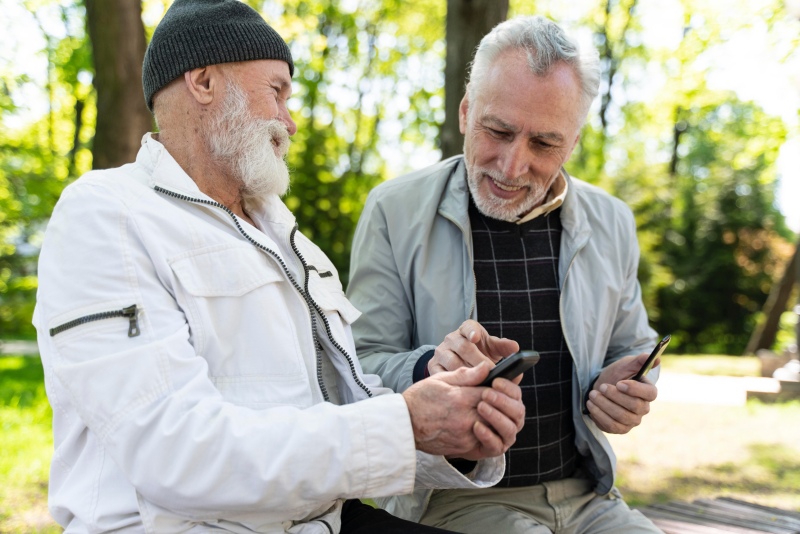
(249,145)
(500,208)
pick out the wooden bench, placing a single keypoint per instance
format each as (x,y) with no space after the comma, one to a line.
(723,514)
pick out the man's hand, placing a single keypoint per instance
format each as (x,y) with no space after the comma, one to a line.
(450,416)
(469,346)
(617,404)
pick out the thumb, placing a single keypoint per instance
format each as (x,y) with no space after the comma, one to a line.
(465,376)
(634,363)
(500,347)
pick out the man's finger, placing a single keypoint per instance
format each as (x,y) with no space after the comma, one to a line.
(502,426)
(470,353)
(471,330)
(500,347)
(618,412)
(646,390)
(511,408)
(467,351)
(603,421)
(467,376)
(507,387)
(448,360)
(490,444)
(637,405)
(435,367)
(507,412)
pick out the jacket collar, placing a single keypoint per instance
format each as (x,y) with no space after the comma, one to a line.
(455,203)
(165,172)
(573,216)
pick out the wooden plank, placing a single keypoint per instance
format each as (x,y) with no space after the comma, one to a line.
(671,526)
(762,515)
(713,517)
(722,514)
(679,523)
(777,511)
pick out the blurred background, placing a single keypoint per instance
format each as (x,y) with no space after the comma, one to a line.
(696,128)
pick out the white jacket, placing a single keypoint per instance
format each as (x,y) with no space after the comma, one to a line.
(178,343)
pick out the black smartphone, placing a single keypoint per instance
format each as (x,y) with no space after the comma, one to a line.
(652,358)
(512,366)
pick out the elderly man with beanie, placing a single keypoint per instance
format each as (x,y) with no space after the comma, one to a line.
(197,348)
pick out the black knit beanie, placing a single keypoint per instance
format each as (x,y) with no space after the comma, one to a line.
(198,33)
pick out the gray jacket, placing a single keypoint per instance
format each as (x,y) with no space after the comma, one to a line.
(411,276)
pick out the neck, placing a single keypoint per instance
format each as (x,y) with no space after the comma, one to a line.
(212,177)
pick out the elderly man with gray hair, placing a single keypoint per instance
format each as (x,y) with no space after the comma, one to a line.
(546,262)
(197,347)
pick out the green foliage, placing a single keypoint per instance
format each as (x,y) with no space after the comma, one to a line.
(354,79)
(788,329)
(40,158)
(722,243)
(697,166)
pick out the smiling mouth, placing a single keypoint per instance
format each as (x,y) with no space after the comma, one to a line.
(504,187)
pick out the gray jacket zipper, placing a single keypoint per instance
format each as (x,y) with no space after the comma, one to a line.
(130,312)
(312,306)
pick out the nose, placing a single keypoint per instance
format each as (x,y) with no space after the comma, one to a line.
(516,159)
(287,121)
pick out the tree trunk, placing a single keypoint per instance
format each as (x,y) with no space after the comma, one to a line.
(764,335)
(797,308)
(118,42)
(467,22)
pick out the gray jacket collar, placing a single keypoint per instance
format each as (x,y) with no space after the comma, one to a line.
(454,204)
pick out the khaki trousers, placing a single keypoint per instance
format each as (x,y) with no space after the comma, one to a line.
(567,506)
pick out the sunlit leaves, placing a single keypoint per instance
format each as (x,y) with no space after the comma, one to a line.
(697,165)
(39,157)
(368,81)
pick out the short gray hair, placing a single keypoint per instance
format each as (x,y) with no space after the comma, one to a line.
(545,44)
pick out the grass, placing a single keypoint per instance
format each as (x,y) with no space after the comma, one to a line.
(681,451)
(27,446)
(690,451)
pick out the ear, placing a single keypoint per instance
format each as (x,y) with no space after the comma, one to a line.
(203,84)
(463,109)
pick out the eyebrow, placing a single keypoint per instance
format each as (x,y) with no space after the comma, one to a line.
(553,136)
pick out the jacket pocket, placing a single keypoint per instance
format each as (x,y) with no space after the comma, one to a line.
(243,318)
(331,298)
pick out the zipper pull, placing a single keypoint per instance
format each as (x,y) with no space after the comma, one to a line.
(131,314)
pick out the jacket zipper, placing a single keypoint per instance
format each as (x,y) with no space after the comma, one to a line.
(130,312)
(473,297)
(474,293)
(317,346)
(309,301)
(325,320)
(561,314)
